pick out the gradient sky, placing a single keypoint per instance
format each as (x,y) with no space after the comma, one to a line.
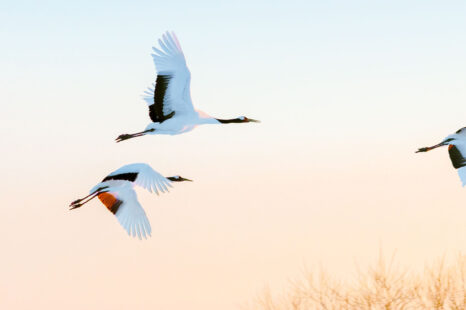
(346,92)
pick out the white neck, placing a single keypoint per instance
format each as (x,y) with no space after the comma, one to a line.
(204,118)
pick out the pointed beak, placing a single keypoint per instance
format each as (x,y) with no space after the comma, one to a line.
(184,179)
(253,120)
(429,148)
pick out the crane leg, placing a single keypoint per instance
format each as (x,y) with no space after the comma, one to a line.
(80,202)
(126,136)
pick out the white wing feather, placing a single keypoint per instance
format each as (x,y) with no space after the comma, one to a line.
(147,177)
(169,59)
(461,147)
(131,215)
(151,180)
(462,174)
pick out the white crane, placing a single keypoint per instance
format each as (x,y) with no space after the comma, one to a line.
(169,99)
(116,192)
(456,148)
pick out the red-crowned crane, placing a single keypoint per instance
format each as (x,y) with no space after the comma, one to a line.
(169,99)
(456,148)
(116,192)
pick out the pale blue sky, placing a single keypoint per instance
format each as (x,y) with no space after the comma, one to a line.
(278,51)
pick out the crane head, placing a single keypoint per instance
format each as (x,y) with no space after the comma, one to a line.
(244,119)
(178,178)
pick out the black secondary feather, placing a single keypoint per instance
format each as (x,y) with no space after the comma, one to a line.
(456,157)
(130,176)
(156,113)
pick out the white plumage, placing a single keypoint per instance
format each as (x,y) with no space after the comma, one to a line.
(170,61)
(130,214)
(116,192)
(462,174)
(169,99)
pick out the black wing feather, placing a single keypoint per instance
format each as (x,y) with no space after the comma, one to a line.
(156,109)
(130,176)
(460,130)
(456,157)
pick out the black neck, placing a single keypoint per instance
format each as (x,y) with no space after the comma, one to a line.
(228,121)
(173,179)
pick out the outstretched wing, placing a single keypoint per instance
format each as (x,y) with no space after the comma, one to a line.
(171,92)
(125,206)
(458,159)
(151,180)
(142,175)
